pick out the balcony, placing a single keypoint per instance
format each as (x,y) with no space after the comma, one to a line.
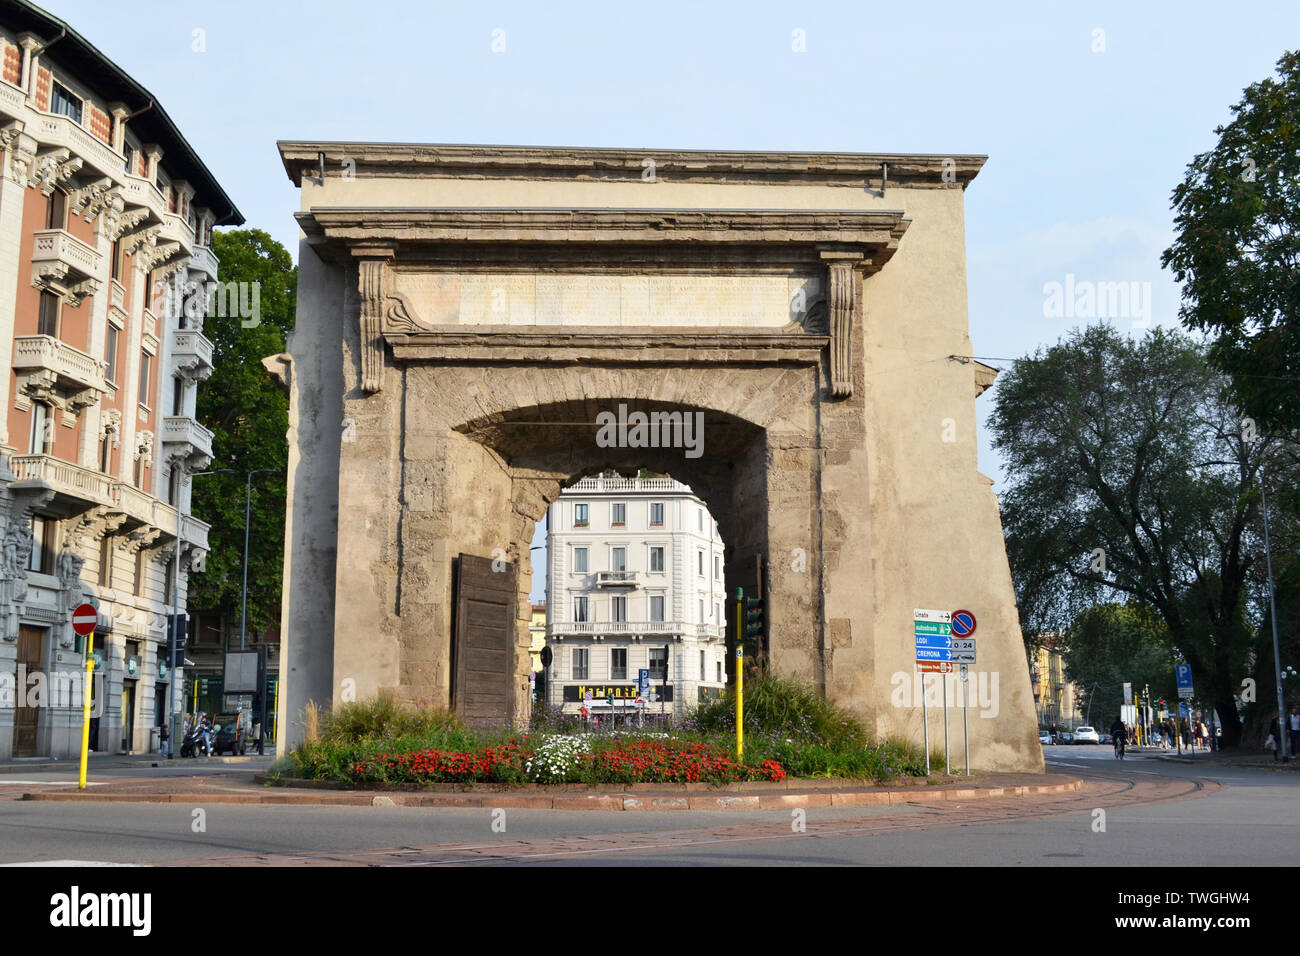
(627,484)
(616,579)
(177,230)
(64,265)
(191,354)
(54,130)
(195,532)
(75,488)
(75,369)
(202,259)
(188,440)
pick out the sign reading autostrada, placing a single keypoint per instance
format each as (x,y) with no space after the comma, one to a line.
(575,693)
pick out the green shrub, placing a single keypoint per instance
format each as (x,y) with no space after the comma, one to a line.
(784,707)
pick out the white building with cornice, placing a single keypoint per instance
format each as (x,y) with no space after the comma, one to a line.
(634,581)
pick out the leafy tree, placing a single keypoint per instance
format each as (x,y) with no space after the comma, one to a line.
(1110,644)
(1131,479)
(1237,252)
(249,416)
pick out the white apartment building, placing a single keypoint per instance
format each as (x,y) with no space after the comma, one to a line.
(634,575)
(106,217)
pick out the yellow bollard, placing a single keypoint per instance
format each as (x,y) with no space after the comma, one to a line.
(85,709)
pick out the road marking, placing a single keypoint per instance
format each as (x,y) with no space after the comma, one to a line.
(68,863)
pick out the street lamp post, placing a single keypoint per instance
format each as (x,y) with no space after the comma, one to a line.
(1282,726)
(176,614)
(243,593)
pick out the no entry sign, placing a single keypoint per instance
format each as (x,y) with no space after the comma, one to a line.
(84,619)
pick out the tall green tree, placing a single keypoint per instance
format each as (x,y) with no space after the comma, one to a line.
(249,416)
(1108,645)
(1132,480)
(1237,251)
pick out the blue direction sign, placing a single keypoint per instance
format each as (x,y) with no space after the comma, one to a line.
(932,632)
(1184,674)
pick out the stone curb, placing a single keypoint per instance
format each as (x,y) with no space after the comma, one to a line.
(619,800)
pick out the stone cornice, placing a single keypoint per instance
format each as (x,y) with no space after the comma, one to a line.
(614,345)
(873,235)
(305,160)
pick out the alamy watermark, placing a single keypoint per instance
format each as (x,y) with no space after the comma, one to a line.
(911,687)
(651,430)
(199,300)
(1098,300)
(58,689)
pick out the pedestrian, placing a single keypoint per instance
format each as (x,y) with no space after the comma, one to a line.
(1273,742)
(162,740)
(1295,730)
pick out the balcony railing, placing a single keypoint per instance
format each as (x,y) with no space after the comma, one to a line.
(181,430)
(72,365)
(64,477)
(204,260)
(616,579)
(191,351)
(630,628)
(628,484)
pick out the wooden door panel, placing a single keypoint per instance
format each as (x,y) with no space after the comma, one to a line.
(483,642)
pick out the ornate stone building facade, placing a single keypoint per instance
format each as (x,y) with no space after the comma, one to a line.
(468,314)
(106,218)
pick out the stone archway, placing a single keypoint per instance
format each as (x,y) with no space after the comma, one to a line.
(469,312)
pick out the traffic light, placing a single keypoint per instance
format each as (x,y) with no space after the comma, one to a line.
(753,617)
(177,628)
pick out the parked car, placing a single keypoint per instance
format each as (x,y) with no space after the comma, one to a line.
(1086,735)
(232,736)
(1106,738)
(1044,738)
(1065,737)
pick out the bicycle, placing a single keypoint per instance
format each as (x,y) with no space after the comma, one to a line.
(1119,748)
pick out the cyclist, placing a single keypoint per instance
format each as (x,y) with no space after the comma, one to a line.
(1119,736)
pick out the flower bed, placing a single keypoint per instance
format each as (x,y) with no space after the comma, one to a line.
(562,759)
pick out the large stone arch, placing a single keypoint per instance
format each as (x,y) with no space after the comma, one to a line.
(468,312)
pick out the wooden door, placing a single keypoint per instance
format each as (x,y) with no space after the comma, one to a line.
(31,659)
(483,638)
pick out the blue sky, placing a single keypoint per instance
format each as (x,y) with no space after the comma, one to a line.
(1084,146)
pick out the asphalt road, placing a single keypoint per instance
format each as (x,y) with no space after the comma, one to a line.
(1156,814)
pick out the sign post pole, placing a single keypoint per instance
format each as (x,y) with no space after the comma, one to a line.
(932,633)
(965,712)
(84,619)
(925,724)
(740,674)
(947,765)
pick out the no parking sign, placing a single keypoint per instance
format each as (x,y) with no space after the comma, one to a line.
(963,623)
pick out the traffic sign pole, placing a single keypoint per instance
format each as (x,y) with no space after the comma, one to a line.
(84,619)
(85,709)
(947,765)
(965,713)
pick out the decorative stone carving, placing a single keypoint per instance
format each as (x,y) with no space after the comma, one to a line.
(53,169)
(144,447)
(89,199)
(401,315)
(120,221)
(142,241)
(841,291)
(23,158)
(110,427)
(372,266)
(52,276)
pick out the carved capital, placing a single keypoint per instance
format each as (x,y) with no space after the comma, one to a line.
(53,169)
(144,447)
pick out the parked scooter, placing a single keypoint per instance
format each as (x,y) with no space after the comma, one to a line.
(195,743)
